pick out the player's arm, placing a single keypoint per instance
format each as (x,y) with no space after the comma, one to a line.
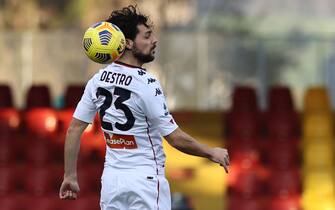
(187,144)
(70,187)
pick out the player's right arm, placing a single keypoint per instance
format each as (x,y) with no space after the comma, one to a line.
(70,187)
(83,115)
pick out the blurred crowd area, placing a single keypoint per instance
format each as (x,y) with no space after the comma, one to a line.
(78,14)
(205,48)
(255,76)
(211,65)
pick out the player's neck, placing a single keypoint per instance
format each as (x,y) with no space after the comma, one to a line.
(131,60)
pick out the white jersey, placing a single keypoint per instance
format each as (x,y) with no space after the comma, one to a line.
(133,114)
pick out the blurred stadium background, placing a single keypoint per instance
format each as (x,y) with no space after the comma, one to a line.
(254,76)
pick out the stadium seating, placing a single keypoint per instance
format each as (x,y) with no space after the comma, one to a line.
(318,190)
(319,183)
(84,203)
(246,176)
(31,153)
(281,117)
(89,175)
(9,121)
(268,145)
(38,96)
(8,151)
(316,204)
(246,157)
(6,99)
(40,152)
(40,181)
(282,154)
(9,116)
(316,99)
(265,150)
(282,125)
(7,180)
(244,100)
(72,95)
(244,117)
(236,202)
(243,125)
(248,183)
(280,100)
(284,182)
(64,118)
(318,125)
(285,203)
(325,156)
(11,202)
(318,151)
(41,122)
(43,202)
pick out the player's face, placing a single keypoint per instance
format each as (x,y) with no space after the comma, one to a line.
(144,44)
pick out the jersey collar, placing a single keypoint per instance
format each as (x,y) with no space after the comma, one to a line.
(128,65)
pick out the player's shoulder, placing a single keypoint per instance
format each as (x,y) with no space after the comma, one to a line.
(152,86)
(149,79)
(143,77)
(105,73)
(96,77)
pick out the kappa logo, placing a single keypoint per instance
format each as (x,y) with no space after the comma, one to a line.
(120,141)
(151,80)
(141,72)
(158,92)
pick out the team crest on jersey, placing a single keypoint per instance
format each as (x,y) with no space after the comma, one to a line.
(120,141)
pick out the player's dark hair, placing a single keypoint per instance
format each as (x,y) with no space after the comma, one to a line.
(127,19)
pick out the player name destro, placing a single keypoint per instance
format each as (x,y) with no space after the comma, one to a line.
(116,78)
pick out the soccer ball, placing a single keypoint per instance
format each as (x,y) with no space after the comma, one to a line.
(104,42)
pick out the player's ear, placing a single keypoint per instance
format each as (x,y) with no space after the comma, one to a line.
(129,44)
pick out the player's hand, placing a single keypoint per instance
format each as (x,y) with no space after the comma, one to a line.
(220,155)
(69,189)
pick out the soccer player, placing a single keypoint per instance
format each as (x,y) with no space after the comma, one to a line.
(134,117)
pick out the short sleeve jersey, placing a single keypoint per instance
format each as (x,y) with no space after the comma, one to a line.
(133,113)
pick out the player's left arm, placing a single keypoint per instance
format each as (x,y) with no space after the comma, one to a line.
(155,107)
(82,117)
(187,144)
